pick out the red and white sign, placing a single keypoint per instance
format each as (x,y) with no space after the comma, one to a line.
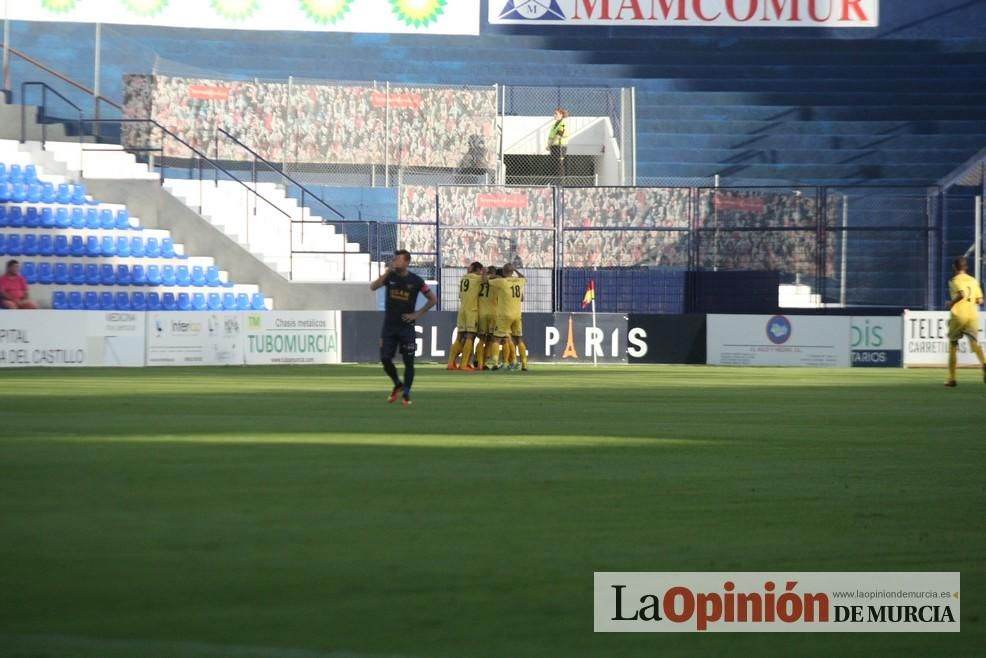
(687,13)
(502,201)
(208,93)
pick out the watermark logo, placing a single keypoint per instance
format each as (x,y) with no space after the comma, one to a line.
(834,602)
(532,10)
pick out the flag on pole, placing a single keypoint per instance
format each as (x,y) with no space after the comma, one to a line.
(590,294)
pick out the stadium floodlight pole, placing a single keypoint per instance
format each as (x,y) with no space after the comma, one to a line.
(844,268)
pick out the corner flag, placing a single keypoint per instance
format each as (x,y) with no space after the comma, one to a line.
(590,294)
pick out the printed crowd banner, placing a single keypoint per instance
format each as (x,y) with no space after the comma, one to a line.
(687,13)
(388,16)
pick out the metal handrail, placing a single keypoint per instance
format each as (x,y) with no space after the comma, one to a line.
(45,88)
(61,76)
(202,156)
(275,169)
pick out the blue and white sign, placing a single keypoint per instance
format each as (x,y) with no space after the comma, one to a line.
(779,340)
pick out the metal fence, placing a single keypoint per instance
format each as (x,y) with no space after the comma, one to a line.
(823,246)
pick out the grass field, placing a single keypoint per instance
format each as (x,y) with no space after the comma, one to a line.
(181,513)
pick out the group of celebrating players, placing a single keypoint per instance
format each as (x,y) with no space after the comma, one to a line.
(489,329)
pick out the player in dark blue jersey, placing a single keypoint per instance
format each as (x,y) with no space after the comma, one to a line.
(403,287)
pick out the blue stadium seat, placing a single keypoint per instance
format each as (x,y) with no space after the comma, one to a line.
(199,303)
(46,245)
(92,246)
(137,247)
(3,171)
(121,301)
(79,194)
(257,303)
(181,277)
(153,301)
(168,276)
(18,193)
(76,274)
(123,247)
(48,218)
(107,277)
(32,218)
(14,174)
(6,192)
(106,219)
(107,247)
(33,192)
(47,193)
(151,248)
(28,272)
(78,219)
(62,219)
(64,194)
(92,218)
(43,273)
(92,301)
(77,247)
(13,245)
(3,243)
(214,301)
(168,302)
(59,274)
(3,216)
(59,300)
(138,301)
(153,275)
(92,274)
(212,277)
(229,301)
(184,302)
(123,277)
(61,247)
(123,219)
(198,277)
(30,174)
(76,301)
(29,244)
(106,301)
(168,248)
(15,217)
(138,276)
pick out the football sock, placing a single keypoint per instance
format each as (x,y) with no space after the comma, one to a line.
(391,370)
(454,352)
(467,352)
(481,352)
(952,360)
(522,348)
(978,349)
(408,374)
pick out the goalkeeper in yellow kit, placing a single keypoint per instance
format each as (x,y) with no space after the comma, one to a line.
(509,292)
(965,295)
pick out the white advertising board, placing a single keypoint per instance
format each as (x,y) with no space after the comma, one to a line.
(115,338)
(926,340)
(194,338)
(42,338)
(292,337)
(778,340)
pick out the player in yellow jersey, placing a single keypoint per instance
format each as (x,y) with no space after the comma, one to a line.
(487,320)
(965,295)
(470,285)
(510,295)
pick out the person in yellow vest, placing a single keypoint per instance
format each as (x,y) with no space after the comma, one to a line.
(470,287)
(558,141)
(510,295)
(965,295)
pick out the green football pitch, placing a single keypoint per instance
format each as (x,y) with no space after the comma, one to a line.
(182,513)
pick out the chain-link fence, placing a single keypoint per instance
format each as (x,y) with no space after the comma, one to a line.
(841,247)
